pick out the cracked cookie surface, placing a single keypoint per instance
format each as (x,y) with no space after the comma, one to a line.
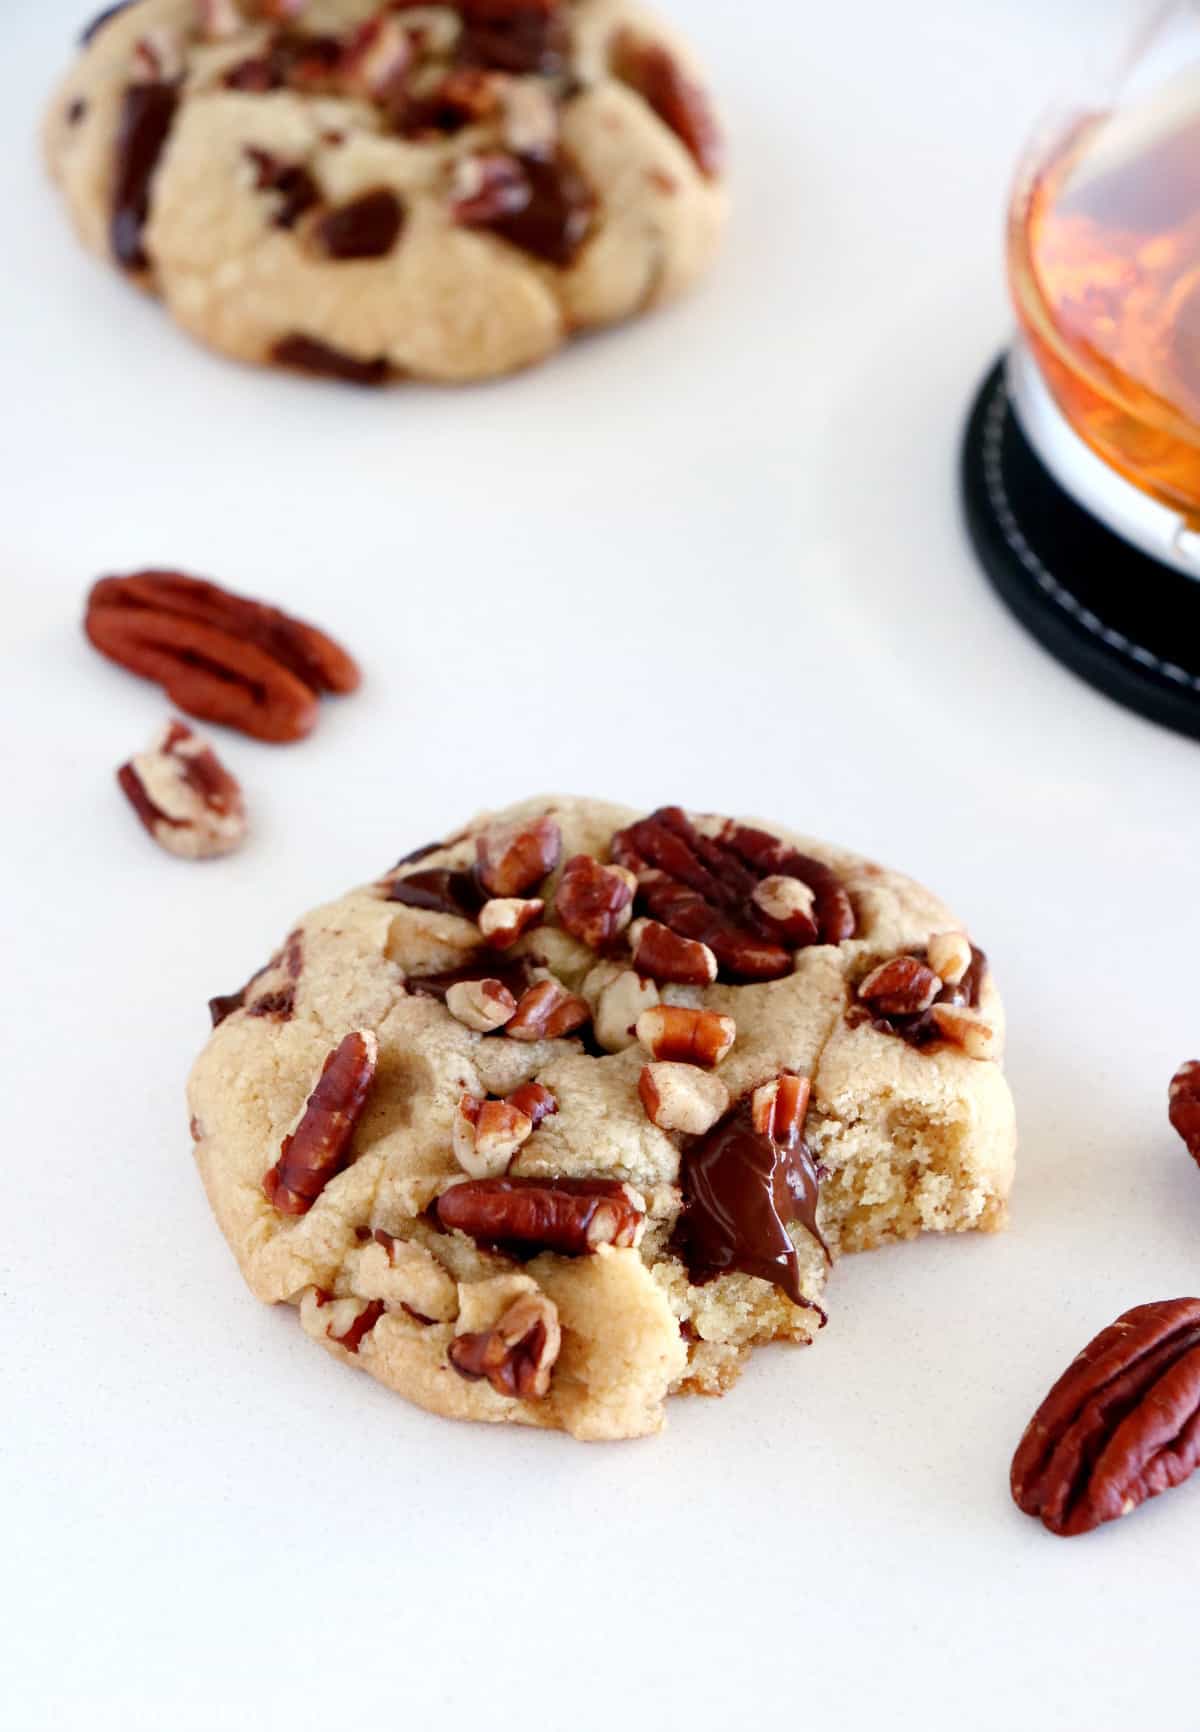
(378,192)
(556,1174)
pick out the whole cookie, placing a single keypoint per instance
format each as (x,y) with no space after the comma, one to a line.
(441,192)
(565,1115)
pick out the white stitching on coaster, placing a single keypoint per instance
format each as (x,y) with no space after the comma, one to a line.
(993,475)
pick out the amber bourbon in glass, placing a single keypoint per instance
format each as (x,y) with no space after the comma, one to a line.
(1104,258)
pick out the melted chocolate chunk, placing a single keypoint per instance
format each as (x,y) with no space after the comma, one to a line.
(92,30)
(366,228)
(296,189)
(531,40)
(740,1190)
(279,1004)
(147,113)
(308,355)
(555,219)
(76,111)
(516,975)
(441,890)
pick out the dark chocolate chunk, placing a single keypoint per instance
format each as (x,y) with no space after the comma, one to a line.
(147,113)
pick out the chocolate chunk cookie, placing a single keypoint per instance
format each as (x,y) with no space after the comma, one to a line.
(563,1116)
(370,192)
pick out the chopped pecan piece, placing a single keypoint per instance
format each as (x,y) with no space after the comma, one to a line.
(319,1147)
(678,100)
(679,1097)
(513,858)
(570,1216)
(965,1028)
(593,902)
(700,1037)
(618,1007)
(217,655)
(464,97)
(904,986)
(352,1339)
(483,1005)
(517,1355)
(950,956)
(779,1108)
(376,60)
(547,1011)
(486,188)
(702,885)
(1184,1099)
(1121,1425)
(535,1100)
(487,1134)
(184,795)
(368,227)
(506,918)
(662,955)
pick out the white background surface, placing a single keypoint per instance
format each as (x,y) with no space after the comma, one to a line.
(715,558)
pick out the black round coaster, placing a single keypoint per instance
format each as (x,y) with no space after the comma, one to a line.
(1126,623)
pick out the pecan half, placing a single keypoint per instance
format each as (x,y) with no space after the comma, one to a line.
(517,1355)
(570,1216)
(217,655)
(547,1011)
(594,902)
(702,883)
(319,1147)
(1184,1099)
(1121,1425)
(700,1037)
(678,100)
(184,795)
(367,227)
(513,858)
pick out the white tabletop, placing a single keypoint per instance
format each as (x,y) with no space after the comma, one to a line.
(717,559)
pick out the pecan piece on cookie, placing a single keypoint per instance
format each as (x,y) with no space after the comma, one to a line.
(1184,1100)
(594,902)
(517,1355)
(678,100)
(570,1216)
(1121,1425)
(661,955)
(700,1037)
(185,797)
(511,859)
(547,1011)
(319,1146)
